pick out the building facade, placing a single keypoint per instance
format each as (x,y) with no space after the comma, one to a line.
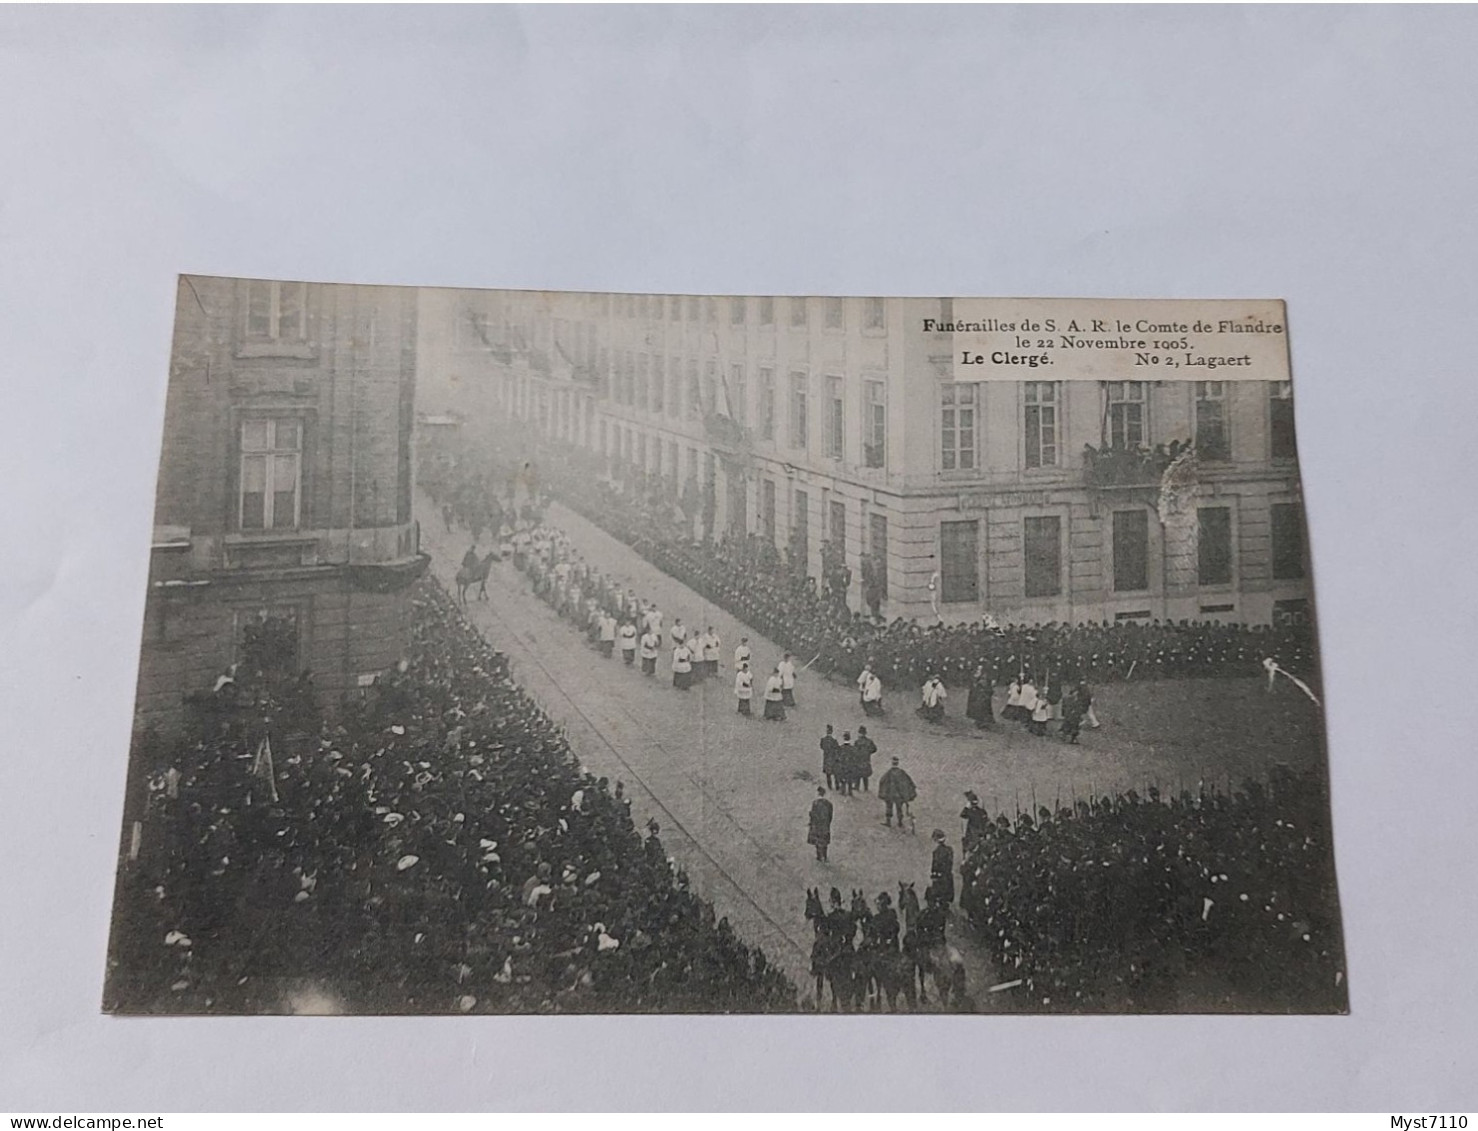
(840,422)
(284,500)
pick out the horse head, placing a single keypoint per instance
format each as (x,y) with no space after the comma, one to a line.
(908,901)
(814,909)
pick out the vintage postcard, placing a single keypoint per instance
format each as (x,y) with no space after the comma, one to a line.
(528,652)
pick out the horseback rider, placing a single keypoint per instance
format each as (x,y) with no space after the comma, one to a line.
(885,924)
(840,926)
(932,920)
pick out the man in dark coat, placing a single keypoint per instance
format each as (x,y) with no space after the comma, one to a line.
(847,776)
(656,855)
(819,833)
(976,821)
(930,928)
(885,926)
(978,707)
(896,790)
(829,746)
(1072,715)
(942,870)
(865,748)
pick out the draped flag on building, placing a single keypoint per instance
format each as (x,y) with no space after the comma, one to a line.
(1178,488)
(1176,507)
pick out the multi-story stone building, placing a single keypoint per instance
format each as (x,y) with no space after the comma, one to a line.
(842,421)
(285,487)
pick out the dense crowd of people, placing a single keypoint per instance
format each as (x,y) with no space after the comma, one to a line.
(1162,904)
(437,849)
(1192,902)
(768,590)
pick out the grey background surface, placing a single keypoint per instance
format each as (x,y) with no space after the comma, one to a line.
(1325,156)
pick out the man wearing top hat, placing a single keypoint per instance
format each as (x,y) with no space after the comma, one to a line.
(865,748)
(819,831)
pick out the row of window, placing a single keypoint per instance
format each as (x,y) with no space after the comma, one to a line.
(640,383)
(648,383)
(1126,422)
(1042,536)
(666,457)
(655,384)
(1042,556)
(959,539)
(798,311)
(473,328)
(649,453)
(276,314)
(875,526)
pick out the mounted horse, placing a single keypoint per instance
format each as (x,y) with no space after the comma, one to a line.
(927,952)
(470,575)
(833,958)
(882,971)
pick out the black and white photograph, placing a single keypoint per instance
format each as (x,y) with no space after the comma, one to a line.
(737,557)
(554,652)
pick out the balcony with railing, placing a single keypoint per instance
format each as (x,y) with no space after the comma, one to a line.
(1112,467)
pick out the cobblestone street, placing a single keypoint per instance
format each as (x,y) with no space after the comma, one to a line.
(732,793)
